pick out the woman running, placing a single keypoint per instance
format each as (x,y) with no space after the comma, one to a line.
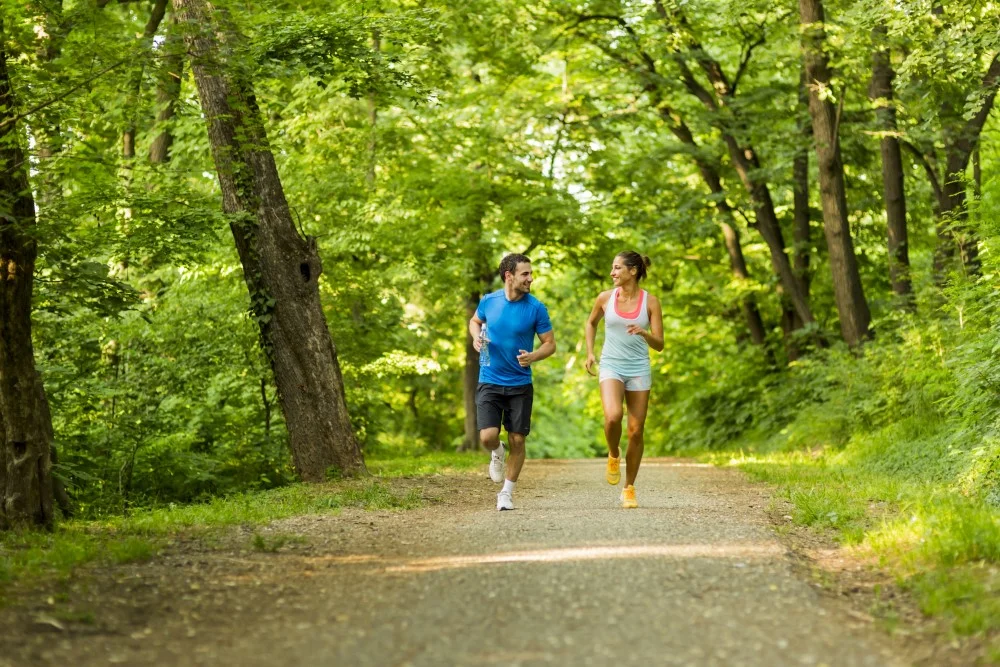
(633,324)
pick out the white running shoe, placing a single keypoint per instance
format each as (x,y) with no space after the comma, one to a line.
(497,464)
(504,501)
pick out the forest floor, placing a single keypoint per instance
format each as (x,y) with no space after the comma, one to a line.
(705,572)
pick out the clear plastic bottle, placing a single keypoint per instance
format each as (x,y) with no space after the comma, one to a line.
(484,347)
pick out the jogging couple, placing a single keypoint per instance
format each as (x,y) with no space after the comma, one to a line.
(503,332)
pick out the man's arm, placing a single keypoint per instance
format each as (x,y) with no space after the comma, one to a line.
(475,328)
(546,349)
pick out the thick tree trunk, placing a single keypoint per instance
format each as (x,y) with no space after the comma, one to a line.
(738,266)
(847,288)
(483,278)
(745,161)
(135,80)
(801,232)
(961,141)
(743,156)
(730,235)
(281,269)
(801,219)
(892,168)
(168,92)
(470,380)
(26,436)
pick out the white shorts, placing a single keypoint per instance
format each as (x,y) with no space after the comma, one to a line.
(634,383)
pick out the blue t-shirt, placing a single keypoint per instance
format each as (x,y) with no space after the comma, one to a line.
(511,326)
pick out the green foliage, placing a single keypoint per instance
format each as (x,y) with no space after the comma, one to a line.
(418,142)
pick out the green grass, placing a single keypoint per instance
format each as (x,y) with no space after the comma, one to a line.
(45,556)
(420,464)
(273,543)
(901,494)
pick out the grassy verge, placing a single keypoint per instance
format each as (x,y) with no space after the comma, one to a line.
(910,498)
(38,556)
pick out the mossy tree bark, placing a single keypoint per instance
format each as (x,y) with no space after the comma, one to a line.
(280,267)
(847,288)
(26,493)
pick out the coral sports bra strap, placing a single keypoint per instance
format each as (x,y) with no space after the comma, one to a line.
(638,307)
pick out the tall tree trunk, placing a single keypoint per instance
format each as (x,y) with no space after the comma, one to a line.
(373,121)
(484,275)
(801,219)
(135,83)
(961,139)
(847,288)
(744,160)
(26,437)
(280,267)
(743,155)
(730,235)
(738,266)
(470,381)
(168,92)
(892,168)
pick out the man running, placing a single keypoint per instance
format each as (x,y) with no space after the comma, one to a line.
(511,317)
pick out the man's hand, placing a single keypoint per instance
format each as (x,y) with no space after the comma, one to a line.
(477,343)
(525,358)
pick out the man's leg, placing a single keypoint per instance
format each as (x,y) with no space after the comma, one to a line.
(516,457)
(490,437)
(489,413)
(517,422)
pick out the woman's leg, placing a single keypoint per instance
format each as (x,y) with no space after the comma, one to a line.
(637,403)
(612,393)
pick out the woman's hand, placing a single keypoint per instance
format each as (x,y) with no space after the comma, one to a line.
(636,330)
(589,364)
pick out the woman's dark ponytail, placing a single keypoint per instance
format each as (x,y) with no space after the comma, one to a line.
(634,260)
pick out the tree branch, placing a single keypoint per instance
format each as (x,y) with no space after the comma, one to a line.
(925,162)
(650,63)
(43,105)
(711,66)
(745,60)
(695,88)
(974,126)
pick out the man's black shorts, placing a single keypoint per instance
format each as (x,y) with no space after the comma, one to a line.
(496,404)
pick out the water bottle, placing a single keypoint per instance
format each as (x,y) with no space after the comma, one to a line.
(484,347)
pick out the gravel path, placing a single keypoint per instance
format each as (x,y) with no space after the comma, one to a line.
(695,576)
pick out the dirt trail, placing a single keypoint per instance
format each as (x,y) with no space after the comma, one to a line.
(695,576)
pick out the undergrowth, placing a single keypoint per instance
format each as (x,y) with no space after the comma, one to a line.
(37,556)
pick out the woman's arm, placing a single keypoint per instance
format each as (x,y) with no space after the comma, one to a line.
(590,328)
(654,337)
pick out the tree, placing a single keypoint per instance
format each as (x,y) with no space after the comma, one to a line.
(847,288)
(280,267)
(168,89)
(26,492)
(892,166)
(742,153)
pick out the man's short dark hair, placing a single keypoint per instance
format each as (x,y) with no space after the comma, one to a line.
(509,264)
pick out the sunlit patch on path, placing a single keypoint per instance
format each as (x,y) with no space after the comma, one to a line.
(740,551)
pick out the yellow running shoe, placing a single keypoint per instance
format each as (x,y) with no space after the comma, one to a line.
(628,497)
(614,470)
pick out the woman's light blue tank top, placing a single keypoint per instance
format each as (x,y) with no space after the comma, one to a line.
(624,353)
